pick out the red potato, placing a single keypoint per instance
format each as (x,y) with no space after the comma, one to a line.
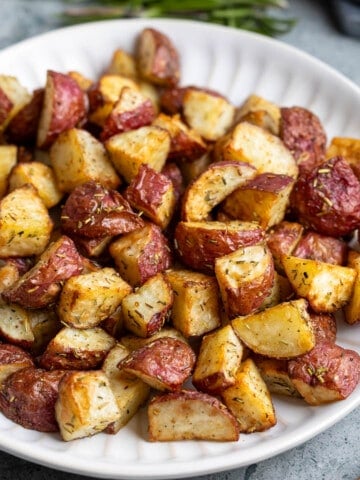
(92,247)
(198,244)
(282,239)
(13,97)
(64,107)
(12,359)
(173,173)
(41,285)
(93,211)
(165,363)
(322,248)
(324,326)
(171,99)
(28,398)
(327,199)
(303,134)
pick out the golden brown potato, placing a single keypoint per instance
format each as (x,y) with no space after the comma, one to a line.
(282,240)
(349,149)
(198,244)
(260,112)
(8,159)
(146,310)
(123,63)
(249,399)
(13,97)
(164,364)
(86,404)
(352,309)
(245,278)
(12,359)
(196,307)
(323,248)
(274,371)
(15,325)
(83,82)
(283,331)
(326,374)
(25,224)
(190,415)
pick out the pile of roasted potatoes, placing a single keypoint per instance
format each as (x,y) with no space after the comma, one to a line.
(162,248)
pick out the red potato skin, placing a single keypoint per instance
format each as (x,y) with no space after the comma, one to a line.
(322,248)
(328,365)
(40,286)
(303,134)
(283,238)
(5,106)
(173,173)
(22,129)
(93,211)
(23,265)
(324,326)
(28,398)
(169,360)
(171,100)
(12,354)
(327,200)
(199,247)
(70,359)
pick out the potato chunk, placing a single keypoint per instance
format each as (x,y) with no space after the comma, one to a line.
(282,331)
(274,371)
(15,325)
(190,415)
(260,112)
(8,159)
(13,97)
(323,248)
(12,359)
(282,239)
(86,404)
(349,149)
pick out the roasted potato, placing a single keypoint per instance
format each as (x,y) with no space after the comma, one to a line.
(8,159)
(12,359)
(260,112)
(173,173)
(274,372)
(324,326)
(123,63)
(323,248)
(13,97)
(282,240)
(352,308)
(15,325)
(349,149)
(133,342)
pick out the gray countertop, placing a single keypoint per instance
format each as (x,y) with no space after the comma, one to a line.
(332,455)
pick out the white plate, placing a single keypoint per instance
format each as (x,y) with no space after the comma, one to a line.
(237,64)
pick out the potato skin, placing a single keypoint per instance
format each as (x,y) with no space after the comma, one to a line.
(322,248)
(327,199)
(171,100)
(28,398)
(13,358)
(304,135)
(92,211)
(324,326)
(282,239)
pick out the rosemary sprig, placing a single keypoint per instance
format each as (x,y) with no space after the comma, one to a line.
(246,14)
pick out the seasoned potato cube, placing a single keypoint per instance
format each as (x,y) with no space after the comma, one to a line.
(249,400)
(164,364)
(258,147)
(212,187)
(122,63)
(274,371)
(12,359)
(15,325)
(190,415)
(218,360)
(260,112)
(130,392)
(282,331)
(282,240)
(196,308)
(133,342)
(39,175)
(25,224)
(86,404)
(352,309)
(88,299)
(210,115)
(323,248)
(157,59)
(349,149)
(153,194)
(13,96)
(78,157)
(146,310)
(326,374)
(8,159)
(327,287)
(264,199)
(141,254)
(75,349)
(245,278)
(146,145)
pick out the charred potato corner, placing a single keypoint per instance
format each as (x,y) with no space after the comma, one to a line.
(166,251)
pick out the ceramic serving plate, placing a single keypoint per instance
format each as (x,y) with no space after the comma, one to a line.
(236,63)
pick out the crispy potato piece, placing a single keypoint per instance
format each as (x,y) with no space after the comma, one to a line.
(28,398)
(141,254)
(146,145)
(146,310)
(245,278)
(130,392)
(212,187)
(196,307)
(74,349)
(190,415)
(8,159)
(88,299)
(210,115)
(260,112)
(352,309)
(12,359)
(218,360)
(349,149)
(39,175)
(41,285)
(13,97)
(264,199)
(258,147)
(323,248)
(86,404)
(282,240)
(64,107)
(157,59)
(326,374)
(25,224)
(123,63)
(283,331)
(249,399)
(274,372)
(153,194)
(78,157)
(15,325)
(327,287)
(164,364)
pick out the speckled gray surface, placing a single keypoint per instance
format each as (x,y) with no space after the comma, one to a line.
(332,455)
